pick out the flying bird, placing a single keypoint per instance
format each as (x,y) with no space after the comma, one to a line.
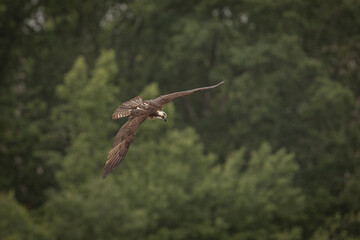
(139,111)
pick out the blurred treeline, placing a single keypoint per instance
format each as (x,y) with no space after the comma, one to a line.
(271,154)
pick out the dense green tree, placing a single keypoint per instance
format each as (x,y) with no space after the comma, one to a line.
(168,189)
(147,196)
(339,227)
(292,80)
(83,118)
(16,222)
(254,195)
(287,98)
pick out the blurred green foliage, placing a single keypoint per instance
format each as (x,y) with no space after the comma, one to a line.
(271,154)
(16,222)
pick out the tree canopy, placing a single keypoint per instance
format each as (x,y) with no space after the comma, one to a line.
(274,153)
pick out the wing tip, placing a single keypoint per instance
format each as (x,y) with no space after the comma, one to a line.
(106,172)
(222,82)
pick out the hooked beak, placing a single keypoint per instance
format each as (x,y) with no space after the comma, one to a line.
(165,119)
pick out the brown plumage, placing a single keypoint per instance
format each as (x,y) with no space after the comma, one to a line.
(139,111)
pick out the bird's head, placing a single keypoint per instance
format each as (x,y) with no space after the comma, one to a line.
(161,115)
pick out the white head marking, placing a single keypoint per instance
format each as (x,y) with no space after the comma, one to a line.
(161,113)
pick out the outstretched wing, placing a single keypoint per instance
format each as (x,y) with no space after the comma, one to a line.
(164,99)
(125,109)
(122,142)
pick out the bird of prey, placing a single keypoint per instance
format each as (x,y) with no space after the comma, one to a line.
(139,111)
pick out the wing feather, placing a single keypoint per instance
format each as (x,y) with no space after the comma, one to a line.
(134,102)
(125,109)
(121,144)
(164,99)
(115,156)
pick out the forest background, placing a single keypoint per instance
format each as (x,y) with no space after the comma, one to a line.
(271,154)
